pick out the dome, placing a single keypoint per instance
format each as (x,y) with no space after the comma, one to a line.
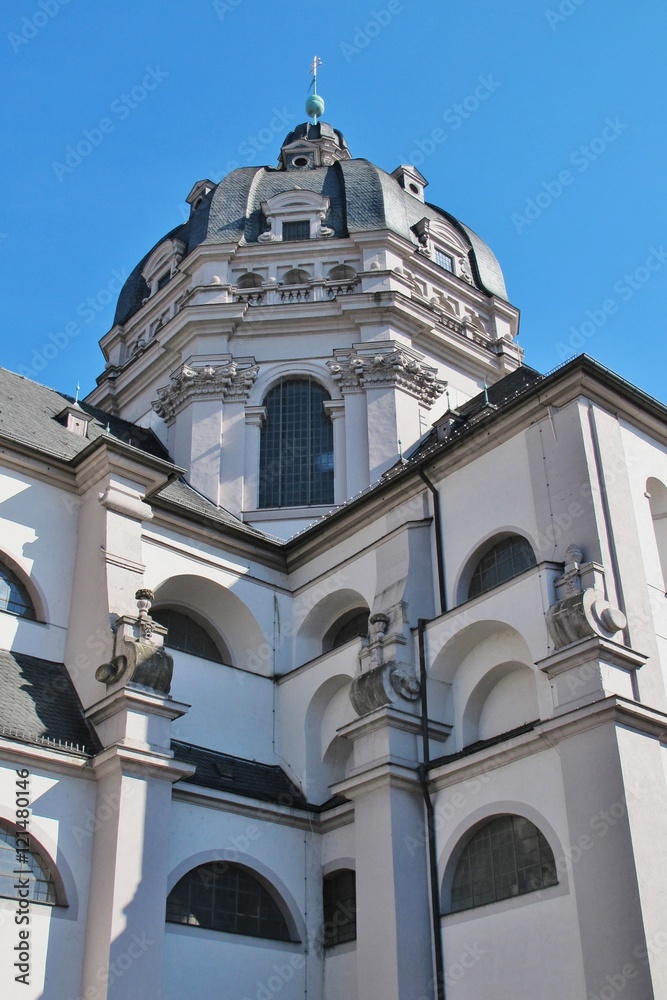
(362,198)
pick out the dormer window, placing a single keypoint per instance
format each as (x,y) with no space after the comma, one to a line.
(299,230)
(162,264)
(295,215)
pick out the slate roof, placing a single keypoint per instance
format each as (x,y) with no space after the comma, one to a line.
(28,414)
(363,198)
(501,392)
(221,771)
(179,493)
(39,705)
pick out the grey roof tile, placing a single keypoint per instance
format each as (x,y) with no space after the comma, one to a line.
(39,704)
(226,773)
(28,414)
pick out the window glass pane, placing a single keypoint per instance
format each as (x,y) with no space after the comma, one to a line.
(187,635)
(13,595)
(296,450)
(296,230)
(339,908)
(502,562)
(231,900)
(507,857)
(32,866)
(443,259)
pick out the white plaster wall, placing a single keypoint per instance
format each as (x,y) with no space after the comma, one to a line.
(38,531)
(244,965)
(231,709)
(62,821)
(527,946)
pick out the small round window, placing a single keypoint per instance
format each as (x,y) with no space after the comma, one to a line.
(300,161)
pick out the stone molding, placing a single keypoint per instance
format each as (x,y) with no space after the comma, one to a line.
(386,368)
(229,383)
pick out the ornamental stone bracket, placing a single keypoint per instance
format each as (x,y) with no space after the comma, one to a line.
(357,370)
(140,659)
(383,679)
(229,382)
(580,612)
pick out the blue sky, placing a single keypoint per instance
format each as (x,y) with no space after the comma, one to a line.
(539,123)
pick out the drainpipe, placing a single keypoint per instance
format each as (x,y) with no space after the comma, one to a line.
(438,957)
(439,550)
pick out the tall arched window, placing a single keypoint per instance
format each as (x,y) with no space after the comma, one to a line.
(296,452)
(13,595)
(506,857)
(339,897)
(22,854)
(226,897)
(501,562)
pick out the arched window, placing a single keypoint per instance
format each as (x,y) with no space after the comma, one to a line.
(296,451)
(341,272)
(226,897)
(188,636)
(503,561)
(506,857)
(249,280)
(339,908)
(348,626)
(13,595)
(18,851)
(297,276)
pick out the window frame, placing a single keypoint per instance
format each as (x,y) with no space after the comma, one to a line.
(292,447)
(475,836)
(475,564)
(216,872)
(338,931)
(9,833)
(223,654)
(13,582)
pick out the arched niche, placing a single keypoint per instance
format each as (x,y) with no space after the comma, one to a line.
(296,276)
(250,280)
(321,617)
(505,698)
(221,612)
(476,668)
(327,754)
(657,497)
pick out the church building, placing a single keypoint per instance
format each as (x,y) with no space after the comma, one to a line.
(333,637)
